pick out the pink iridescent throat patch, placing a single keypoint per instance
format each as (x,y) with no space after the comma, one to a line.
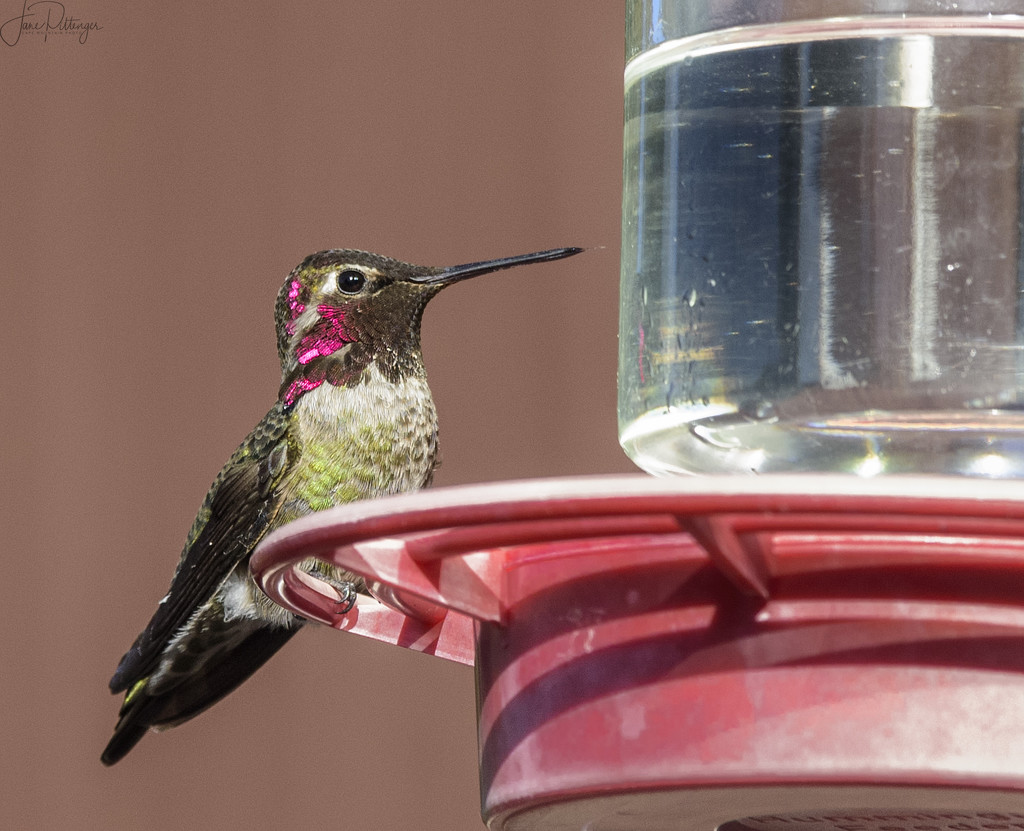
(325,338)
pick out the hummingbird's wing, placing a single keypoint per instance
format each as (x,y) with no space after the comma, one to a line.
(213,655)
(235,516)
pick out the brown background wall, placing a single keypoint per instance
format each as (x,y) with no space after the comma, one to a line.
(158,183)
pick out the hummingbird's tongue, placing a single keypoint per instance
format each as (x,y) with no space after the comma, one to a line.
(463,272)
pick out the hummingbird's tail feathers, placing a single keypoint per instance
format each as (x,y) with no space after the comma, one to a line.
(171,707)
(129,731)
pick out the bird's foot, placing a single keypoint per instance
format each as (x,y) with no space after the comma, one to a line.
(345,588)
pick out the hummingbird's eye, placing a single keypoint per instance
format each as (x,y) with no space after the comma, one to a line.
(351,281)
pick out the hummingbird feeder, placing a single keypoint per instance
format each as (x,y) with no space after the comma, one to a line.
(751,654)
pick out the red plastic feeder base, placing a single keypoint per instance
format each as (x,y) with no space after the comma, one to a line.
(762,654)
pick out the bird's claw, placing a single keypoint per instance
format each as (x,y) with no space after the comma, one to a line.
(346,589)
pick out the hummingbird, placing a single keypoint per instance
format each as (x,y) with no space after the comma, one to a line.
(354,419)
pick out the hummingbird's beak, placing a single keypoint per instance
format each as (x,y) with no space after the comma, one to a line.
(463,272)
